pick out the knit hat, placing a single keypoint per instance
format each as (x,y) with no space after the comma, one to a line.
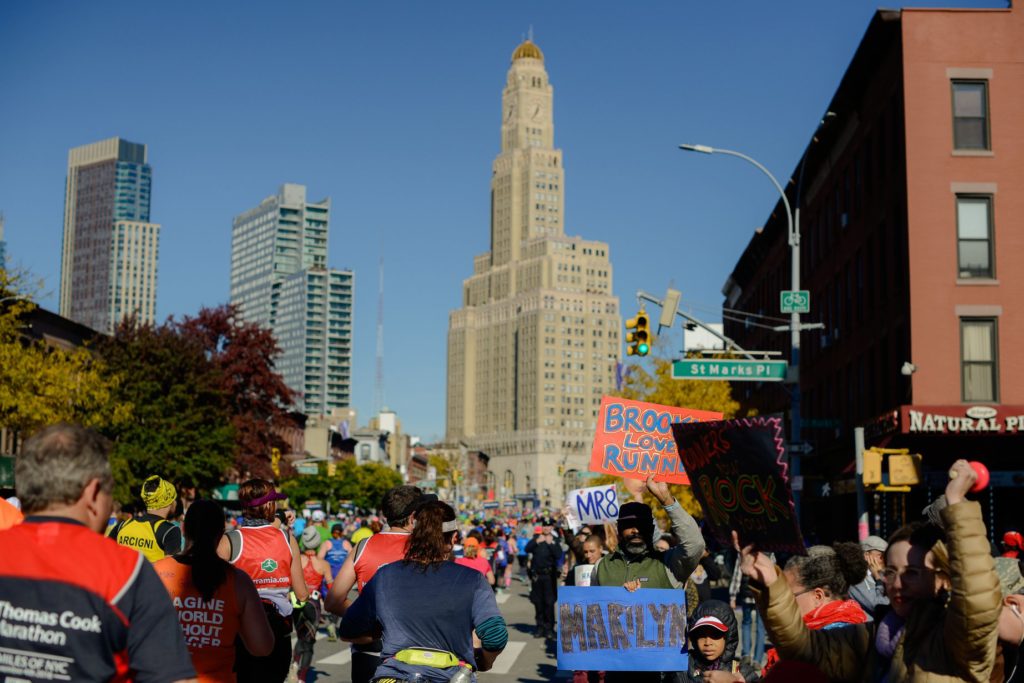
(1010,579)
(311,538)
(158,493)
(634,515)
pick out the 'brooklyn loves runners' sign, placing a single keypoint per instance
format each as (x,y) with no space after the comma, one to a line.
(610,629)
(634,439)
(739,477)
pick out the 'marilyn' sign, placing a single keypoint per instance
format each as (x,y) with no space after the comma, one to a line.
(962,420)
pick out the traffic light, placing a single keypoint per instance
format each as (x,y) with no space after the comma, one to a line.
(639,339)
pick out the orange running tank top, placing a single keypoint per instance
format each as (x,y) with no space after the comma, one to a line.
(377,551)
(310,575)
(209,626)
(266,556)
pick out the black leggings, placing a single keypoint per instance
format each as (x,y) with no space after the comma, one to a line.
(274,667)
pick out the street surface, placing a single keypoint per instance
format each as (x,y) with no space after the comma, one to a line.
(525,660)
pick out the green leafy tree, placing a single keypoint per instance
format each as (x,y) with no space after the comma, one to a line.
(322,487)
(180,426)
(363,485)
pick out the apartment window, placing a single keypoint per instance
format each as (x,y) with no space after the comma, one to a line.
(970,115)
(978,355)
(974,236)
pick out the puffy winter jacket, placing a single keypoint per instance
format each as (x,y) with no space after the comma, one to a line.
(697,665)
(940,644)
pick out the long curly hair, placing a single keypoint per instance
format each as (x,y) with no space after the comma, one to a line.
(429,544)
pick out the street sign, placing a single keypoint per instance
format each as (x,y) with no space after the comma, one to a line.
(795,301)
(307,468)
(732,370)
(804,448)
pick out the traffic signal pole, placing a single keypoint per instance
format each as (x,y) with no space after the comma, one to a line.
(641,295)
(862,509)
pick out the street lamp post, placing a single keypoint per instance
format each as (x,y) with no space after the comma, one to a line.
(794,320)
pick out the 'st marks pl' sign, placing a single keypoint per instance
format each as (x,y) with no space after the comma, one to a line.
(739,477)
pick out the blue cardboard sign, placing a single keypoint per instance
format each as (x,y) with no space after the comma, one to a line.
(603,628)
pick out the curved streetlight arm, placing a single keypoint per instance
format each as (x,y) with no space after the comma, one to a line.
(794,239)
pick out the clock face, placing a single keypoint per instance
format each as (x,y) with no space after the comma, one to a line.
(537,109)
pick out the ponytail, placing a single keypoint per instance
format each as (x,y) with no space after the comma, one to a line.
(204,526)
(834,569)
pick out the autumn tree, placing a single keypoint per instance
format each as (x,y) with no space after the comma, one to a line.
(41,384)
(257,398)
(180,426)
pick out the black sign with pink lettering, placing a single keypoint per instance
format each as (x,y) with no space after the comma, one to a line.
(739,476)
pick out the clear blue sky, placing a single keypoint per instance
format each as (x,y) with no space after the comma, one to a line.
(393,110)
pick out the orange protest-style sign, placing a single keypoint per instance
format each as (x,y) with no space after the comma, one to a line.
(634,439)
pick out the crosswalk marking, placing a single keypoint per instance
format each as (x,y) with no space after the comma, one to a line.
(503,664)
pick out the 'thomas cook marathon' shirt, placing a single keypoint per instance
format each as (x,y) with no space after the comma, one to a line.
(75,606)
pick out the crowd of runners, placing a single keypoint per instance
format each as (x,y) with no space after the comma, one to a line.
(181,589)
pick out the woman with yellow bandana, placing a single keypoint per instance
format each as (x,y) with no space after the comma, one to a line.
(150,533)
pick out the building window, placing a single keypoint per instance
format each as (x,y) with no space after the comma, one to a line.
(974,236)
(970,115)
(978,355)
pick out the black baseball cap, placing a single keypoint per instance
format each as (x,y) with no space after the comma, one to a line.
(417,504)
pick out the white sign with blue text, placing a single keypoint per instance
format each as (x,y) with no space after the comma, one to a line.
(594,505)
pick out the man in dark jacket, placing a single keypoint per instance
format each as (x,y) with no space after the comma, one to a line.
(636,560)
(545,566)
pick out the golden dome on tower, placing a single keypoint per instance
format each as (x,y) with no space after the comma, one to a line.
(528,50)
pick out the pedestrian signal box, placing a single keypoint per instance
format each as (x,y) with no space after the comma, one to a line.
(872,468)
(905,469)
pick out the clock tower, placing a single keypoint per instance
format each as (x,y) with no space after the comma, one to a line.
(534,345)
(526,184)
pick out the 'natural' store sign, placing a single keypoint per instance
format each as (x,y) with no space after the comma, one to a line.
(960,420)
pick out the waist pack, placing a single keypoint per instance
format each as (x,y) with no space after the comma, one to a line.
(425,656)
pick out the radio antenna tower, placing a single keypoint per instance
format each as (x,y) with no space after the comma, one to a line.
(378,387)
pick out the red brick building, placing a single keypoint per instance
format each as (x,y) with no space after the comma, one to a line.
(912,245)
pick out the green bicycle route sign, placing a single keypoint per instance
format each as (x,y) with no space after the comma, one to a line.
(795,301)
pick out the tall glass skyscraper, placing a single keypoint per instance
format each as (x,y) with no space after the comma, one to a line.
(280,279)
(110,248)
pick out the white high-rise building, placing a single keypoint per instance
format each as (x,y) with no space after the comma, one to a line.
(280,279)
(536,342)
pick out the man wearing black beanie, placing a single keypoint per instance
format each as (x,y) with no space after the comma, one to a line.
(637,564)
